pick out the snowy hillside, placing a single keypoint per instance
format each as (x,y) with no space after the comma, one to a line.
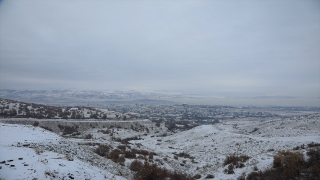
(204,148)
(11,108)
(22,158)
(108,149)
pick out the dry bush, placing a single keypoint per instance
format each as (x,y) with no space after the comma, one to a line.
(142,157)
(36,123)
(130,154)
(88,136)
(69,157)
(291,165)
(68,129)
(209,176)
(114,155)
(242,177)
(143,152)
(312,144)
(252,176)
(314,155)
(135,165)
(237,161)
(184,155)
(179,176)
(104,131)
(197,176)
(229,170)
(150,156)
(288,159)
(313,163)
(149,172)
(152,172)
(121,160)
(121,147)
(102,150)
(37,150)
(46,128)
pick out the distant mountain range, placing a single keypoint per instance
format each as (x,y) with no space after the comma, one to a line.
(64,97)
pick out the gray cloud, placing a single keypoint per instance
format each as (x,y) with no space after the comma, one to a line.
(229,48)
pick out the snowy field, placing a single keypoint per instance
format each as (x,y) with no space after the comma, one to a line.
(24,160)
(210,144)
(28,152)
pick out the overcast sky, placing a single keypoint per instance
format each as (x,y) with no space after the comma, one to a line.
(225,48)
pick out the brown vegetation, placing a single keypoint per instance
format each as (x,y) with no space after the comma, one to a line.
(102,150)
(235,160)
(291,165)
(149,171)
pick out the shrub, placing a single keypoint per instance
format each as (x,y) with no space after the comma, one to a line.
(135,165)
(209,176)
(121,160)
(61,127)
(197,176)
(46,128)
(314,156)
(288,159)
(236,160)
(253,176)
(68,129)
(151,172)
(289,162)
(229,170)
(291,165)
(114,155)
(312,144)
(296,148)
(242,177)
(313,163)
(102,150)
(150,156)
(240,165)
(88,136)
(184,155)
(130,154)
(36,123)
(122,147)
(143,152)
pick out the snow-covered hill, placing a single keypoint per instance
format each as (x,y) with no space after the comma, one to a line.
(22,156)
(11,108)
(208,145)
(200,151)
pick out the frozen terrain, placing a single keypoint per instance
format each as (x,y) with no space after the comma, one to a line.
(198,151)
(25,160)
(261,140)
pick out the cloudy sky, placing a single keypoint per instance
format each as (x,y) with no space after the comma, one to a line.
(224,48)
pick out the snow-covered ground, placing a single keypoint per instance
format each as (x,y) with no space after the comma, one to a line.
(210,144)
(46,155)
(24,160)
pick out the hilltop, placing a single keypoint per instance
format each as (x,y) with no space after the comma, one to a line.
(16,109)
